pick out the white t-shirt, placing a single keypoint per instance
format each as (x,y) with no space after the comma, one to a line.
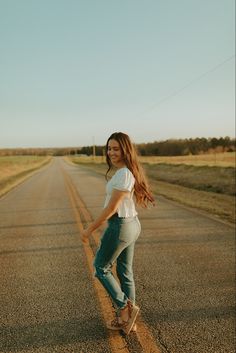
(122,180)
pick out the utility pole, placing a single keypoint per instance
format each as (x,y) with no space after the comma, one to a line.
(94,151)
(103,155)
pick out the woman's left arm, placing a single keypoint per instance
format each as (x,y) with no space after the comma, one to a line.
(116,198)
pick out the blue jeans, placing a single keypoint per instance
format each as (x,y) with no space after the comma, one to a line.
(117,245)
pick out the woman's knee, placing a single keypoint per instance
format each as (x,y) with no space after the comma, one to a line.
(124,272)
(101,271)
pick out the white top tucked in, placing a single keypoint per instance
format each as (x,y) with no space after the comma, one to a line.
(122,180)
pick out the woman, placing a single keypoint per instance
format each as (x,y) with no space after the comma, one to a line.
(118,240)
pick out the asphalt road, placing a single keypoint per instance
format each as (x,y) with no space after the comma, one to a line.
(184,271)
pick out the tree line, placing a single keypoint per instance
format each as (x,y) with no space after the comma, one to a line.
(176,147)
(171,147)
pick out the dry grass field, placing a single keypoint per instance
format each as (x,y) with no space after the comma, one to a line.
(206,182)
(227,159)
(14,169)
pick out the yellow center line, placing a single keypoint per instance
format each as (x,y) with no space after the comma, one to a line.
(117,342)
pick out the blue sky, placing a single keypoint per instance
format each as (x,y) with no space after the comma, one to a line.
(74,71)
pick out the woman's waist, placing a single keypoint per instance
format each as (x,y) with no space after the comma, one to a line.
(127,219)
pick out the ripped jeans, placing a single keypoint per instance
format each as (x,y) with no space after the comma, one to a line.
(117,245)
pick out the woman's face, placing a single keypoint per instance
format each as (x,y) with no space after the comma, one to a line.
(114,153)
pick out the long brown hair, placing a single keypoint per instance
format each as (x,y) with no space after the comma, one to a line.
(142,191)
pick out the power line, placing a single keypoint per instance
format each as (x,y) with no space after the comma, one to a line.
(198,78)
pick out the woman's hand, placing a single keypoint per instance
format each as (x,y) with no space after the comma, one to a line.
(85,234)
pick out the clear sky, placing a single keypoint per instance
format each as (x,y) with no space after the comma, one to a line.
(74,71)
